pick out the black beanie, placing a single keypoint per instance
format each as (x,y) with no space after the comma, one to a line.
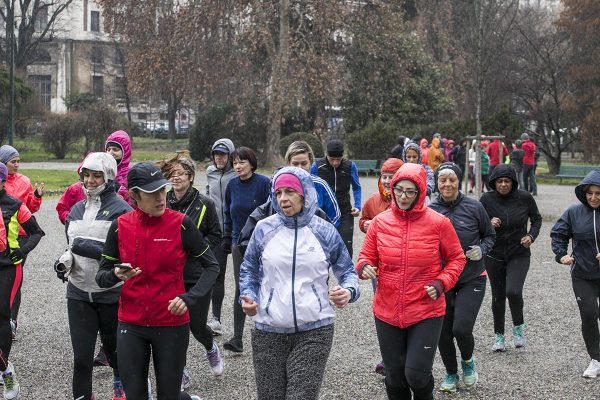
(448,165)
(335,148)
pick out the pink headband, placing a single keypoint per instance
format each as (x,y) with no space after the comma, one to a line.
(289,181)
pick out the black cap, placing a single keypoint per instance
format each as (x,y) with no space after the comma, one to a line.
(335,148)
(221,148)
(146,177)
(451,166)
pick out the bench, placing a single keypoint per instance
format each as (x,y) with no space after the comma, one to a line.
(574,171)
(368,166)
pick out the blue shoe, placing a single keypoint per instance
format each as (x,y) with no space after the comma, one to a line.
(470,376)
(499,343)
(450,383)
(519,336)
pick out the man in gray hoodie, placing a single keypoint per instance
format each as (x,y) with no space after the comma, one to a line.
(218,176)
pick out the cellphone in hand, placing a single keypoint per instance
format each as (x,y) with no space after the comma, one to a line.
(124,267)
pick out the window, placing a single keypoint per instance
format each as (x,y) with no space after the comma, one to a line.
(143,116)
(120,88)
(95,21)
(98,86)
(97,57)
(42,84)
(41,20)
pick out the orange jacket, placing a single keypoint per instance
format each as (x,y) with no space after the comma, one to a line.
(435,156)
(408,248)
(19,186)
(380,201)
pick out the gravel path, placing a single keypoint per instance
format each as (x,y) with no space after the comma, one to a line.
(550,366)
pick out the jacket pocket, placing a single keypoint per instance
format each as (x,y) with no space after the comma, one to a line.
(314,289)
(269,300)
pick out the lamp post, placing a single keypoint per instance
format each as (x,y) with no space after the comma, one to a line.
(10,27)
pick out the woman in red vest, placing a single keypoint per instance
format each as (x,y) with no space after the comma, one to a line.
(147,249)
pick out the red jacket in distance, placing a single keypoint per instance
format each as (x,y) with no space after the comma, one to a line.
(529,149)
(380,201)
(408,248)
(73,195)
(493,152)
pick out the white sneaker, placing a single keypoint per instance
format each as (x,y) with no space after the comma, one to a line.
(11,384)
(592,370)
(215,360)
(215,326)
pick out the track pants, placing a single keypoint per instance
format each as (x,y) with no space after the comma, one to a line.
(527,176)
(198,317)
(16,305)
(587,293)
(346,231)
(218,293)
(290,366)
(408,357)
(462,306)
(506,280)
(239,318)
(168,347)
(85,320)
(10,281)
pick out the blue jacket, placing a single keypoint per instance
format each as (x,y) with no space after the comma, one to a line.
(286,266)
(581,223)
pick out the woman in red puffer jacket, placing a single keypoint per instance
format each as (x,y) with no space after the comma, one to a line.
(403,249)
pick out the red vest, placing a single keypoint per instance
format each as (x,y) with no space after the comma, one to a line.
(154,245)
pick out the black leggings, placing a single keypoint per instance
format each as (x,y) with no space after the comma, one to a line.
(587,293)
(462,306)
(10,278)
(346,230)
(408,357)
(218,293)
(198,317)
(239,318)
(168,346)
(506,280)
(85,320)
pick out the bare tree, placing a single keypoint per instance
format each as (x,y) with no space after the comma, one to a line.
(36,21)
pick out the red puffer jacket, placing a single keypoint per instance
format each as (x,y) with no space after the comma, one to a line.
(408,248)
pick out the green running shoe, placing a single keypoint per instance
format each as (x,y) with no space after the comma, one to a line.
(470,376)
(499,343)
(519,336)
(450,383)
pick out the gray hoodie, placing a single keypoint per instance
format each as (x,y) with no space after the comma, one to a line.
(218,179)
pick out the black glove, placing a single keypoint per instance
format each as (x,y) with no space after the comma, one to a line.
(61,271)
(226,245)
(17,256)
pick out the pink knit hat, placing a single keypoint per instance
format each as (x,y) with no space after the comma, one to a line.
(289,181)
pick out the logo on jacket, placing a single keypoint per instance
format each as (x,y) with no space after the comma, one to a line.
(162,240)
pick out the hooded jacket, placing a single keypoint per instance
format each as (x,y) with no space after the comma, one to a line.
(73,195)
(515,210)
(19,186)
(434,155)
(430,179)
(217,180)
(473,227)
(87,227)
(581,223)
(408,248)
(529,149)
(286,266)
(424,150)
(380,201)
(123,140)
(493,152)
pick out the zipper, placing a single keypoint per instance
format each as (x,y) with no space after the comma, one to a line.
(596,236)
(294,273)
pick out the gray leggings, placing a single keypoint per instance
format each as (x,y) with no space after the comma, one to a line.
(290,366)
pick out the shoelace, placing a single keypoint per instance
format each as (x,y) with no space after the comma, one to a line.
(9,382)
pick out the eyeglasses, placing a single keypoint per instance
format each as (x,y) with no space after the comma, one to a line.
(409,193)
(178,175)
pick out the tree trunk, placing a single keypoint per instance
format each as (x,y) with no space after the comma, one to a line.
(553,162)
(172,106)
(278,80)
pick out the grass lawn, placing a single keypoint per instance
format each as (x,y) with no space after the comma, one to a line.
(55,181)
(144,149)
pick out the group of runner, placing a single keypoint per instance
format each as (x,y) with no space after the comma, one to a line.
(147,255)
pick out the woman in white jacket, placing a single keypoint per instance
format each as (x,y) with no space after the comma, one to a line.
(284,286)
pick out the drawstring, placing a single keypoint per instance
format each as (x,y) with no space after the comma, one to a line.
(596,236)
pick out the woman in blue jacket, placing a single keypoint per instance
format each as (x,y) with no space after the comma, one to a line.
(284,287)
(581,224)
